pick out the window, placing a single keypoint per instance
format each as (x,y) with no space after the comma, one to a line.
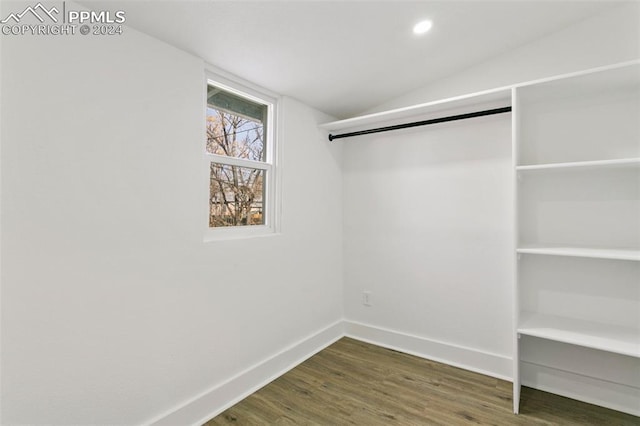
(239,152)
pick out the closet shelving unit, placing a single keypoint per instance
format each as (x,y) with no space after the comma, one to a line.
(576,169)
(577,163)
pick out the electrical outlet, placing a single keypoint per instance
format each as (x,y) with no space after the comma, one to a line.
(366,298)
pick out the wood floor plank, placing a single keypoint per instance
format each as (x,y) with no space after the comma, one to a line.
(356,383)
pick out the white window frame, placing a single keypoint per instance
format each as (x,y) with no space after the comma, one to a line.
(271,200)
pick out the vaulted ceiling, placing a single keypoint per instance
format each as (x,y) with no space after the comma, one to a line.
(344,57)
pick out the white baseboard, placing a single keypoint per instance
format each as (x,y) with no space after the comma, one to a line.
(214,401)
(600,392)
(217,399)
(490,364)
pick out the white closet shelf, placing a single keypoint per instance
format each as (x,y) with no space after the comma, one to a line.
(598,253)
(606,337)
(621,77)
(584,165)
(498,97)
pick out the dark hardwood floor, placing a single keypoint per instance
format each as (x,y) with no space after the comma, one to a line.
(355,383)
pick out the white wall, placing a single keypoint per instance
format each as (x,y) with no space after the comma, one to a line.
(428,231)
(607,38)
(113,309)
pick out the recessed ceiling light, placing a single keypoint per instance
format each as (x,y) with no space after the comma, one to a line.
(422,27)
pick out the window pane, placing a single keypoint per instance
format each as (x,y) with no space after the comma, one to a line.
(236,196)
(235,126)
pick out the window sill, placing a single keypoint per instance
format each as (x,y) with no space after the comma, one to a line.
(238,233)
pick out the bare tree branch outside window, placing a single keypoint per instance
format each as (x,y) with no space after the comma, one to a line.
(236,193)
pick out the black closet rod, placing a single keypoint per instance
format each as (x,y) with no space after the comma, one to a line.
(423,123)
